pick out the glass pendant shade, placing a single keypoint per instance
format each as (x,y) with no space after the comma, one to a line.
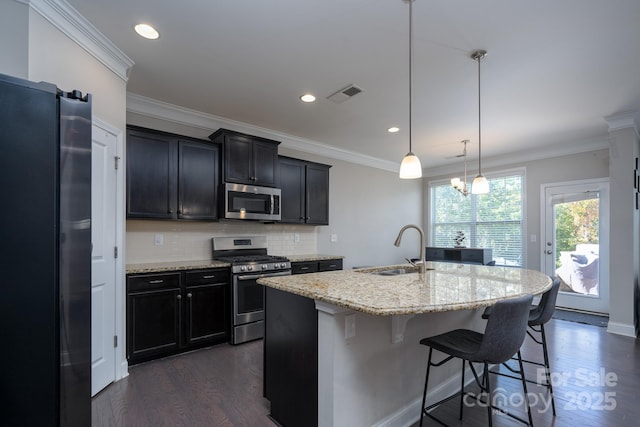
(480,185)
(410,168)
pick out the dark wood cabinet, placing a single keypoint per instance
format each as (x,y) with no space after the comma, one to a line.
(153,315)
(290,374)
(172,312)
(206,306)
(303,267)
(151,175)
(171,176)
(305,192)
(461,255)
(248,159)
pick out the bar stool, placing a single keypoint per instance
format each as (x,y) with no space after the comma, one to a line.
(538,316)
(501,340)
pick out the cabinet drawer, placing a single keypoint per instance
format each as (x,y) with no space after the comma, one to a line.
(199,277)
(145,282)
(304,267)
(330,264)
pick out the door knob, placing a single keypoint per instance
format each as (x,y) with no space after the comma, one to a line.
(549,251)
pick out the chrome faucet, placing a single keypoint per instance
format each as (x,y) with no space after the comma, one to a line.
(423,264)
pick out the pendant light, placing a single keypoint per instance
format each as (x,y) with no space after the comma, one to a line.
(410,168)
(480,184)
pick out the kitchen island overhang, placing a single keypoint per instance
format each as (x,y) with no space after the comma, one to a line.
(368,364)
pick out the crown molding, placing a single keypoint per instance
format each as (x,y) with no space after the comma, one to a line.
(184,116)
(628,119)
(65,18)
(511,159)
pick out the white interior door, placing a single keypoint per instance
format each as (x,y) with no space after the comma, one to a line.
(576,242)
(103,266)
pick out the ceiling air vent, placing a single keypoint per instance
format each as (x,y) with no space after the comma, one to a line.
(344,94)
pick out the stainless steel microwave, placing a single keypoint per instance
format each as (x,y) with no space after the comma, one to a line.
(251,202)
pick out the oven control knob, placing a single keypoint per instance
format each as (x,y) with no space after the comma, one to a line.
(243,268)
(250,267)
(264,266)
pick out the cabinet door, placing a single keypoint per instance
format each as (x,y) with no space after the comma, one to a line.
(237,159)
(265,163)
(292,199)
(198,177)
(153,323)
(151,176)
(206,316)
(317,200)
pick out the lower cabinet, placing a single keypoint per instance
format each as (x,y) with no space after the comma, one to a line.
(172,312)
(302,267)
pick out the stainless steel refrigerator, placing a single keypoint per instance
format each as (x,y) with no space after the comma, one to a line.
(45,285)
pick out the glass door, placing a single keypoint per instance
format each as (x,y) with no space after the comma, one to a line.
(575,246)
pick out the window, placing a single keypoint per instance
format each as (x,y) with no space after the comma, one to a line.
(493,220)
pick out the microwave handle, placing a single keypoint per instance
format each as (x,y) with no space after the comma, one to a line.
(271,204)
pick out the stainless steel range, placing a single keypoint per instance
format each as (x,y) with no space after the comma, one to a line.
(249,262)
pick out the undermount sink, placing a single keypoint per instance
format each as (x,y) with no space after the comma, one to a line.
(395,271)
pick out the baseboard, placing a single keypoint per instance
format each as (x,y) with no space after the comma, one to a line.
(410,414)
(622,329)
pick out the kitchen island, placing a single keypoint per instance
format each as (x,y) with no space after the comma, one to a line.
(342,347)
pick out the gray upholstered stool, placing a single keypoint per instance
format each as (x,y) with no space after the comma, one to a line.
(501,340)
(538,316)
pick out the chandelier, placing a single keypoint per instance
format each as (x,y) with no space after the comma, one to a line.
(461,184)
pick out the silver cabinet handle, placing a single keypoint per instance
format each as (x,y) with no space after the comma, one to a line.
(209,277)
(178,296)
(189,295)
(155,282)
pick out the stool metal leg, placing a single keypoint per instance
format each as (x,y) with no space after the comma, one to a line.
(524,388)
(426,383)
(488,389)
(547,369)
(462,390)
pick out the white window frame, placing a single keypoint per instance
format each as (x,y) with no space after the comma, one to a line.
(492,175)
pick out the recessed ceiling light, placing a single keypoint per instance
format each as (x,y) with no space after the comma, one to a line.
(147,31)
(307,97)
(393,129)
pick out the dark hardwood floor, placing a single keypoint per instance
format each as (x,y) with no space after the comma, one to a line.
(597,383)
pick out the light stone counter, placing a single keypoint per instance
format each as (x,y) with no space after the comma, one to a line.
(157,267)
(312,257)
(370,365)
(444,287)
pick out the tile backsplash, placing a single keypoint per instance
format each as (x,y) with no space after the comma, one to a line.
(191,241)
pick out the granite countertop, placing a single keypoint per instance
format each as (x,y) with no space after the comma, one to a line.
(312,257)
(158,267)
(444,287)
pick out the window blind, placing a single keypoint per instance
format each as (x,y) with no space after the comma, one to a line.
(493,220)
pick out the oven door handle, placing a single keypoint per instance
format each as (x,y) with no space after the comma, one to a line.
(260,276)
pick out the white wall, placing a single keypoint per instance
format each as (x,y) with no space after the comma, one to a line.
(14,38)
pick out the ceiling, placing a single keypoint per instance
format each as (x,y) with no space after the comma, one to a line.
(554,69)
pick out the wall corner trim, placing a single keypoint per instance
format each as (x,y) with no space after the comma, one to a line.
(628,119)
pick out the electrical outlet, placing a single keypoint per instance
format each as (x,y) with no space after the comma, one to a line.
(296,238)
(159,239)
(349,326)
(334,238)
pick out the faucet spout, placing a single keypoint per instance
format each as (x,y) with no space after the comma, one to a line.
(422,254)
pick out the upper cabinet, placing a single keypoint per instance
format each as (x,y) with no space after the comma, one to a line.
(171,176)
(248,159)
(305,192)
